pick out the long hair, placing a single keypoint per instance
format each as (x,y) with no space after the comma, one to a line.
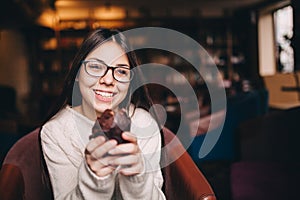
(139,98)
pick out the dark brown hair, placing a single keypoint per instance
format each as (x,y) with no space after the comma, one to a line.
(139,98)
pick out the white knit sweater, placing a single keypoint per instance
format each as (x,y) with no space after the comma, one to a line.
(64,139)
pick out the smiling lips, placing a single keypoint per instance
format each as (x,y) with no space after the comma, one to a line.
(104,95)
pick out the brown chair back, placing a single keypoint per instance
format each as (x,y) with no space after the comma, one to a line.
(183,179)
(21,175)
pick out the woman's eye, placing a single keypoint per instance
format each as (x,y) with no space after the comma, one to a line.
(95,66)
(124,72)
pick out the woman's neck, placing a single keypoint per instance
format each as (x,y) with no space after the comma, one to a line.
(87,113)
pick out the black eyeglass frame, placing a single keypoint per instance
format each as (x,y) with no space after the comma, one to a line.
(108,67)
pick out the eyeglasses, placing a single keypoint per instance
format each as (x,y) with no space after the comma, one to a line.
(98,68)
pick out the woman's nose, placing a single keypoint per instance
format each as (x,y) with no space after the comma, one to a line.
(107,78)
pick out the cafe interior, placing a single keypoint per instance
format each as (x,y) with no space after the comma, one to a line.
(239,122)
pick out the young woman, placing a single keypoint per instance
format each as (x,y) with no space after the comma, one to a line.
(102,76)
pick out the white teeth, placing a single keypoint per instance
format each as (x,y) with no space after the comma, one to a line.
(104,94)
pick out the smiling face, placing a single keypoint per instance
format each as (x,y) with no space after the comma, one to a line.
(101,93)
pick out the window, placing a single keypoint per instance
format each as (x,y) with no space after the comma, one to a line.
(283,24)
(275,31)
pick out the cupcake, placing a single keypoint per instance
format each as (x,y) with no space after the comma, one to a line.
(111,125)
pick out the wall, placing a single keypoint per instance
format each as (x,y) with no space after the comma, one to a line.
(267,61)
(14,65)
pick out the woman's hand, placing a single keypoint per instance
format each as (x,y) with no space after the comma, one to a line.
(128,156)
(97,157)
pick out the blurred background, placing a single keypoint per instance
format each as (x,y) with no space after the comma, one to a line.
(255,45)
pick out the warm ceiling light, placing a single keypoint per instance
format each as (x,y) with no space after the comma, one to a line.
(73,13)
(108,24)
(77,3)
(69,4)
(109,13)
(48,18)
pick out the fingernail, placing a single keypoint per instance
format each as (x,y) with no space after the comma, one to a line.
(114,142)
(126,133)
(110,152)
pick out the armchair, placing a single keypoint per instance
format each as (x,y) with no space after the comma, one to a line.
(22,176)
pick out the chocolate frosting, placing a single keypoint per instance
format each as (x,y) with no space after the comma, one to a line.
(112,125)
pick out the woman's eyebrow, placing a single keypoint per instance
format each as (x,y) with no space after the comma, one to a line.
(122,65)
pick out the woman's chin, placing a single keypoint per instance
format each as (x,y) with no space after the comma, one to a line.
(100,109)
